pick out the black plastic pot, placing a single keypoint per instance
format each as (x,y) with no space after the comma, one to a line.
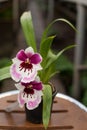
(35,115)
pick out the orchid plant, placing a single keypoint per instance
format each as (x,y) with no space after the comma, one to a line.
(31,69)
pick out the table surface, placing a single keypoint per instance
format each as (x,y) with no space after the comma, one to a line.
(67,114)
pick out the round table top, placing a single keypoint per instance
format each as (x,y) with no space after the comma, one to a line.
(60,95)
(67,113)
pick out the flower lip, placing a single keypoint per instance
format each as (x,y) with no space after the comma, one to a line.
(28,90)
(32,100)
(26,66)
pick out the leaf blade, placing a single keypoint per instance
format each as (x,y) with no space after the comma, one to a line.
(54,21)
(55,57)
(47,102)
(45,47)
(28,29)
(51,66)
(5,73)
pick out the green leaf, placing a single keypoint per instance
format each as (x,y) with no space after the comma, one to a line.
(50,25)
(5,73)
(61,64)
(45,47)
(28,29)
(4,62)
(48,73)
(47,102)
(53,57)
(51,67)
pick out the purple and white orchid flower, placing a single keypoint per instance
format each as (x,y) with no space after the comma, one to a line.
(30,93)
(25,65)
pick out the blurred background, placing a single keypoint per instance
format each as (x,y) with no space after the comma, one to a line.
(72,79)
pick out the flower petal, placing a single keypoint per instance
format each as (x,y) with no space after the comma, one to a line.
(21,55)
(32,104)
(38,67)
(25,76)
(14,74)
(37,86)
(16,60)
(28,78)
(20,99)
(19,86)
(29,51)
(36,58)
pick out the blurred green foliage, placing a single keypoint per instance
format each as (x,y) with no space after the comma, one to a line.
(5,62)
(84,86)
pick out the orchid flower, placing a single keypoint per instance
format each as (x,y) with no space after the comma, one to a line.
(25,65)
(29,93)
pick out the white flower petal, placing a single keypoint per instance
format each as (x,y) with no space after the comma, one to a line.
(20,99)
(15,60)
(34,101)
(14,74)
(39,67)
(37,78)
(19,86)
(28,78)
(29,50)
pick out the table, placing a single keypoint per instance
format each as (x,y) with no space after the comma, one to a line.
(67,114)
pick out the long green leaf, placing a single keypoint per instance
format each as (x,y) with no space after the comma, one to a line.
(47,102)
(50,25)
(45,47)
(51,67)
(5,73)
(51,60)
(28,29)
(61,64)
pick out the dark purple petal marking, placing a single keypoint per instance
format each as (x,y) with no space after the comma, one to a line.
(26,66)
(25,84)
(35,59)
(21,55)
(33,85)
(28,90)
